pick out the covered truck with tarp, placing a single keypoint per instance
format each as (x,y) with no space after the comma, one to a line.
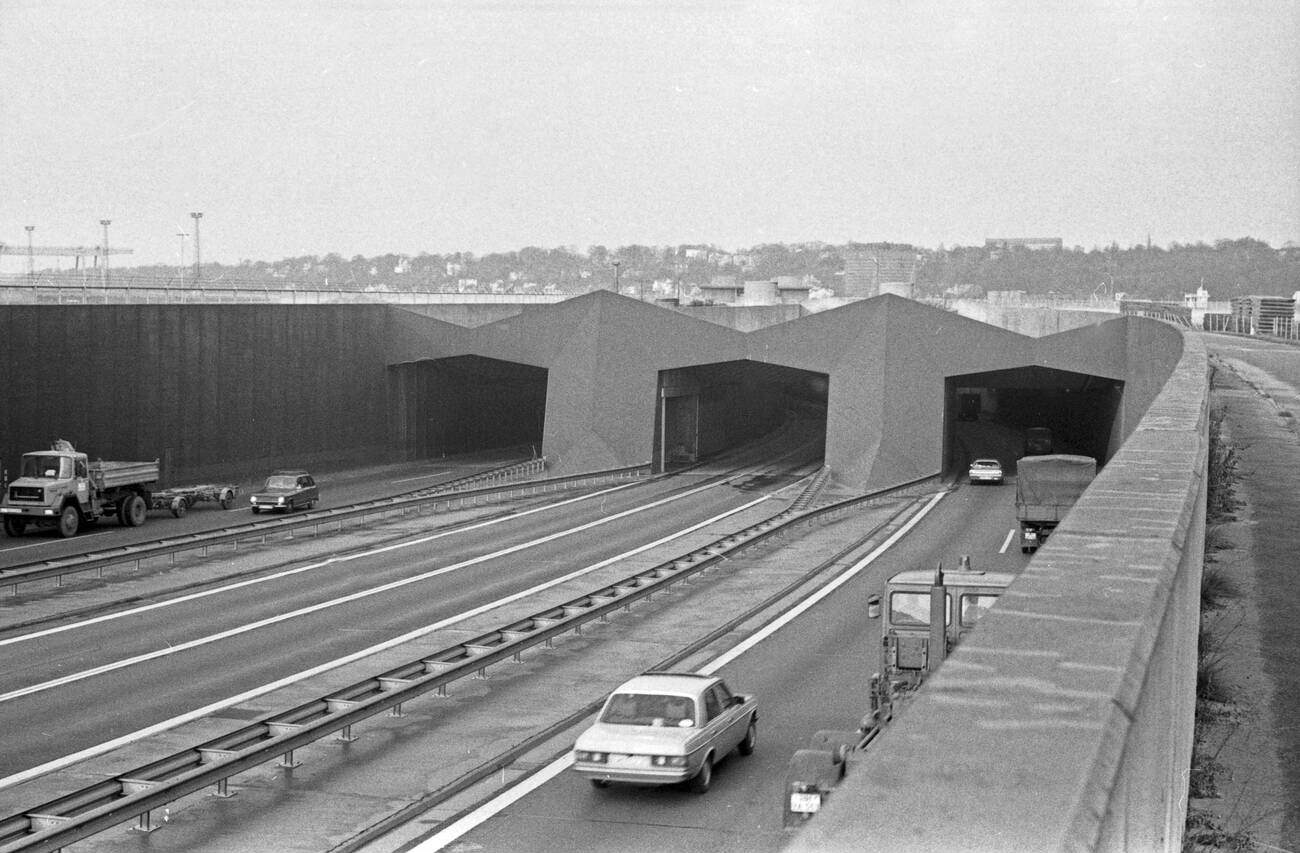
(1046,488)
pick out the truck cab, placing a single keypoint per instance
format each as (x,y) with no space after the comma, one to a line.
(913,643)
(61,487)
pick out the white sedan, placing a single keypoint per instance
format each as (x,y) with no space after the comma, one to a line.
(666,727)
(986,471)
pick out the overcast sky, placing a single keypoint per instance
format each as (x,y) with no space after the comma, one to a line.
(303,127)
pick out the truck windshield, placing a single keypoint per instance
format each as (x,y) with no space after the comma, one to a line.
(975,605)
(47,467)
(912,609)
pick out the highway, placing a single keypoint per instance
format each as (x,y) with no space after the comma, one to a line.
(304,607)
(105,676)
(809,676)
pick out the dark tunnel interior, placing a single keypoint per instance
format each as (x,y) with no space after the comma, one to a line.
(468,403)
(989,414)
(704,410)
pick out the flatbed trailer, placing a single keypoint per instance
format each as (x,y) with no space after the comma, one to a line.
(180,499)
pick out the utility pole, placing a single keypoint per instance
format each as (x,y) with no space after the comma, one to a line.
(103,272)
(617,263)
(31,259)
(181,266)
(197,272)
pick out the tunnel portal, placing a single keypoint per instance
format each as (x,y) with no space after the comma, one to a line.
(468,403)
(704,410)
(989,414)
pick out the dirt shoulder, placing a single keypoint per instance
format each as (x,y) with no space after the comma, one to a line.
(1254,741)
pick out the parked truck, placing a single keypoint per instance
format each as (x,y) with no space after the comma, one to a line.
(63,488)
(924,615)
(1046,488)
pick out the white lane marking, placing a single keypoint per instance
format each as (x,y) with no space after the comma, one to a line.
(304,568)
(99,749)
(500,802)
(1006,543)
(325,605)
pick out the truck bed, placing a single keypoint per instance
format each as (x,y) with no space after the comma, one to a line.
(113,475)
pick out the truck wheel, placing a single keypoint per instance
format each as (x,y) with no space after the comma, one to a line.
(179,507)
(702,780)
(134,511)
(14,526)
(69,521)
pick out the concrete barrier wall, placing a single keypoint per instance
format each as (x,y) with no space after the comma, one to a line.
(1065,721)
(215,392)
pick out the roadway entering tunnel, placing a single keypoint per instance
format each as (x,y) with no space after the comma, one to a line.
(705,409)
(988,414)
(467,403)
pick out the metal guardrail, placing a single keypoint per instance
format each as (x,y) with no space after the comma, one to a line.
(450,494)
(136,793)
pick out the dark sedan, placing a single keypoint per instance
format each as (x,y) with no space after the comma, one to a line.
(286,490)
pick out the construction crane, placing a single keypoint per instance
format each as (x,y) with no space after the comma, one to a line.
(77,252)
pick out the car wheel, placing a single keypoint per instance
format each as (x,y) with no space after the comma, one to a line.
(702,780)
(600,783)
(751,739)
(256,510)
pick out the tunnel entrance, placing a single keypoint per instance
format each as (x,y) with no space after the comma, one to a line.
(707,409)
(467,403)
(1008,414)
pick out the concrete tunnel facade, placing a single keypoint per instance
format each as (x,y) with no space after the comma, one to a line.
(224,391)
(888,366)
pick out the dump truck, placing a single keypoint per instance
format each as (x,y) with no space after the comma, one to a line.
(1046,488)
(924,615)
(63,488)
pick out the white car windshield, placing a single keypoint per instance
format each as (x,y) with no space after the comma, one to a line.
(649,709)
(282,483)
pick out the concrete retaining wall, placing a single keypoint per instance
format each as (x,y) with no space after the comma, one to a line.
(1065,721)
(222,392)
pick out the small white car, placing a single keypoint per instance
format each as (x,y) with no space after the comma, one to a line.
(986,471)
(664,728)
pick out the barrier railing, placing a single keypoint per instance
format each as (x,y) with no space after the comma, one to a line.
(448,495)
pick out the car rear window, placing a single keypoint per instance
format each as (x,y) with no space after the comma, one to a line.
(648,709)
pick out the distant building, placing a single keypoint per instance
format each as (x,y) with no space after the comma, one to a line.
(722,288)
(997,245)
(1268,315)
(872,270)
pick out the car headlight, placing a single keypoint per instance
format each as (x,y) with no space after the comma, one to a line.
(594,757)
(253,500)
(279,501)
(668,761)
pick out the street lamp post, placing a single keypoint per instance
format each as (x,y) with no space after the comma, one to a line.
(31,259)
(181,266)
(103,271)
(196,217)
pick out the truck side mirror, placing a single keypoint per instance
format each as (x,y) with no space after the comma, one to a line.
(873,607)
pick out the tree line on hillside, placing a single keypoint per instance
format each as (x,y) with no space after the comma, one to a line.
(1226,268)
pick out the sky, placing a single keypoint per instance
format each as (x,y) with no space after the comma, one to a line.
(368,127)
